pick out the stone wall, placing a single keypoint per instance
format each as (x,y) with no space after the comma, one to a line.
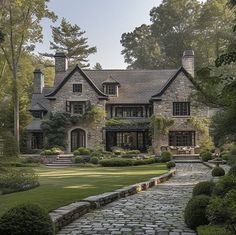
(94,131)
(180,90)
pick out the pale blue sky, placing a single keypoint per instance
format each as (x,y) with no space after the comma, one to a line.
(104,22)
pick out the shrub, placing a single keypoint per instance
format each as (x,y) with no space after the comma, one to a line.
(224,185)
(31,160)
(96,154)
(52,151)
(14,180)
(232,170)
(195,211)
(26,219)
(79,160)
(94,160)
(218,171)
(147,161)
(10,148)
(223,210)
(170,164)
(133,152)
(166,156)
(116,162)
(205,188)
(212,230)
(118,151)
(206,156)
(82,151)
(232,155)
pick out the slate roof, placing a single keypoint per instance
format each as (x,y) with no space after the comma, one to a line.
(136,86)
(35,125)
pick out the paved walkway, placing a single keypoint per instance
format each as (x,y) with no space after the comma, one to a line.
(158,210)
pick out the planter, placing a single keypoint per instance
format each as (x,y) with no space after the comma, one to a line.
(47,159)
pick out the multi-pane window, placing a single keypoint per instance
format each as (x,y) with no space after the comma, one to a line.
(75,107)
(124,112)
(181,108)
(37,140)
(37,114)
(110,89)
(182,138)
(77,87)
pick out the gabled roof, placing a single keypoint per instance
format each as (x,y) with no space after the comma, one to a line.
(77,68)
(111,80)
(170,80)
(37,107)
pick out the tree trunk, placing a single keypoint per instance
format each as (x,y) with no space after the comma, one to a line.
(16,108)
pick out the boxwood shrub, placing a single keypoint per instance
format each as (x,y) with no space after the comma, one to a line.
(166,156)
(82,151)
(205,188)
(170,164)
(94,160)
(213,230)
(195,211)
(206,156)
(218,171)
(26,219)
(79,160)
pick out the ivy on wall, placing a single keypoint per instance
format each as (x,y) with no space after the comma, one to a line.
(127,123)
(202,125)
(160,125)
(55,128)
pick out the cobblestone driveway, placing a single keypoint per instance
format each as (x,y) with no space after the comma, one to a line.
(158,210)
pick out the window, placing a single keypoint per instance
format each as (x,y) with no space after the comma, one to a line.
(75,107)
(182,138)
(78,108)
(181,108)
(110,89)
(77,87)
(37,114)
(129,112)
(37,140)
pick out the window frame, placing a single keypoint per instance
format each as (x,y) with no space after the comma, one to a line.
(70,107)
(107,89)
(180,138)
(180,110)
(128,112)
(77,87)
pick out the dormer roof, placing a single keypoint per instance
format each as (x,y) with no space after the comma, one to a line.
(110,80)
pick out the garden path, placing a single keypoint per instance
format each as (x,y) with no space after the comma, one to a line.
(159,210)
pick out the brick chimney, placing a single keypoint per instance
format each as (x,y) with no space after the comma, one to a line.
(188,61)
(61,62)
(38,81)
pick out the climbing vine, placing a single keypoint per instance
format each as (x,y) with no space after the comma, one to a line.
(160,125)
(120,122)
(202,125)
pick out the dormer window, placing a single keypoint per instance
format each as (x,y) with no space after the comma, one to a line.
(110,86)
(77,87)
(110,89)
(37,114)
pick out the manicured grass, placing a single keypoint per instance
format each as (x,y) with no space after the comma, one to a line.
(61,186)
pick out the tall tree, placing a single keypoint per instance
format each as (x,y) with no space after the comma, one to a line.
(70,38)
(20,23)
(97,66)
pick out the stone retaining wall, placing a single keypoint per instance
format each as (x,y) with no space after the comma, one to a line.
(67,214)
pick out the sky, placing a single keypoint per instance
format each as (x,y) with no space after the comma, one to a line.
(104,22)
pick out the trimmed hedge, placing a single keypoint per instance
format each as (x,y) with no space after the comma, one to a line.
(205,188)
(118,162)
(82,151)
(195,211)
(52,151)
(170,164)
(212,230)
(166,156)
(206,156)
(26,219)
(94,160)
(218,171)
(79,160)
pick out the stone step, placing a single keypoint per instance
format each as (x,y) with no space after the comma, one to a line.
(63,160)
(188,161)
(60,164)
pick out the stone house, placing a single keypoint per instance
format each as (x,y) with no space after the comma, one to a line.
(130,96)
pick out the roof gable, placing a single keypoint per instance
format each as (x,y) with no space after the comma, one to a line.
(77,69)
(171,80)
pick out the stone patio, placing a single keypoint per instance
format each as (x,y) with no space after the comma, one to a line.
(158,210)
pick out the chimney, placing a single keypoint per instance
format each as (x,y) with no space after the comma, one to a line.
(38,81)
(188,61)
(61,62)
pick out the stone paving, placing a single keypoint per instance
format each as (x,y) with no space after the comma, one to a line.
(158,210)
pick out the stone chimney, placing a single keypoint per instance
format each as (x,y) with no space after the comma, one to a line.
(188,61)
(61,62)
(38,81)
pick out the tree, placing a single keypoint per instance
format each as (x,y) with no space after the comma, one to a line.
(97,66)
(70,38)
(20,24)
(177,25)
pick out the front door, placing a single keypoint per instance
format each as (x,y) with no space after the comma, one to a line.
(78,137)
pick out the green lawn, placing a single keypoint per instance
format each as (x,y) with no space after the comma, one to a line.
(61,186)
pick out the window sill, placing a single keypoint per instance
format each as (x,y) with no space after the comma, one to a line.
(181,116)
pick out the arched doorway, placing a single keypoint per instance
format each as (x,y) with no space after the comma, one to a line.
(78,139)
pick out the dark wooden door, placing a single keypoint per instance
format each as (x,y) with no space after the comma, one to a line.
(78,139)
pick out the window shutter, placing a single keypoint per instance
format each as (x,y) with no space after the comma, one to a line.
(68,107)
